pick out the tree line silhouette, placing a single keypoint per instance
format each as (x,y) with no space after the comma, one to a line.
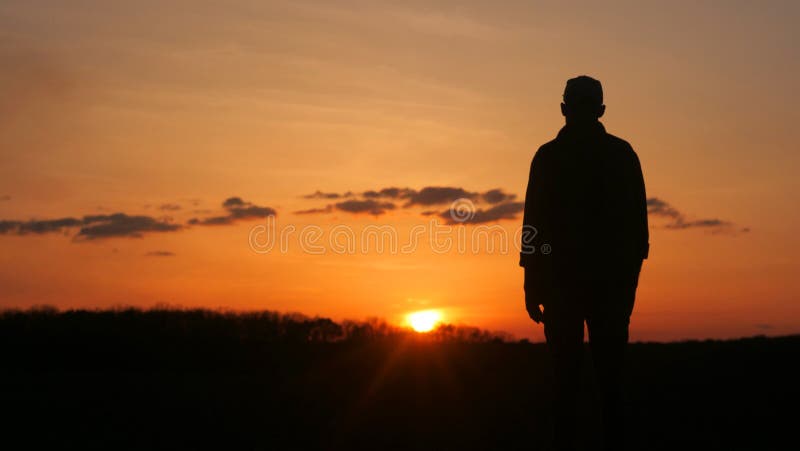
(44,336)
(264,326)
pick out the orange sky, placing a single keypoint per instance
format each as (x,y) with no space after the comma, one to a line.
(127,108)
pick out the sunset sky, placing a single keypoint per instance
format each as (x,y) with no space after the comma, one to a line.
(165,110)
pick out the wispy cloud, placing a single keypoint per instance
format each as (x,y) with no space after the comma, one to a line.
(322,195)
(92,226)
(370,206)
(509,210)
(496,196)
(160,254)
(658,207)
(236,210)
(122,225)
(115,225)
(389,193)
(439,195)
(313,211)
(381,201)
(42,226)
(678,221)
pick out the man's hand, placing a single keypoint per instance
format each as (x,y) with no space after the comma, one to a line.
(535,290)
(534,311)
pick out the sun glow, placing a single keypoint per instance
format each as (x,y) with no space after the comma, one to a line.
(424,320)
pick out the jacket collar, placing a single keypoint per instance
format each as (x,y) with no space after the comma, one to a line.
(572,131)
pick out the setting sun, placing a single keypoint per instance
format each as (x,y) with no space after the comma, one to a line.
(425,320)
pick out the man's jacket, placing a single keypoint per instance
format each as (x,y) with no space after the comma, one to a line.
(586,200)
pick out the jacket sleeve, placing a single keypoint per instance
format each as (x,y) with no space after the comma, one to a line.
(640,208)
(535,211)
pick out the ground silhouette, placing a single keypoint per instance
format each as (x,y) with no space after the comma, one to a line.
(191,379)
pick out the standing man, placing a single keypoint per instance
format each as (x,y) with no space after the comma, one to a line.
(587,235)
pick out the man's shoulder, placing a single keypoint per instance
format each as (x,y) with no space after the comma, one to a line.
(620,146)
(618,143)
(546,149)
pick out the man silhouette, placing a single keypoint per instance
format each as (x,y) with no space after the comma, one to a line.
(586,201)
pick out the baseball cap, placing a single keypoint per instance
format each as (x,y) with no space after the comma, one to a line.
(583,89)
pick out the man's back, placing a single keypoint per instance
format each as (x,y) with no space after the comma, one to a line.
(587,201)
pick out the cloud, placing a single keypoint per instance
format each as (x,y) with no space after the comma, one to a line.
(91,227)
(237,209)
(659,207)
(122,225)
(40,227)
(7,226)
(427,196)
(389,193)
(214,220)
(321,195)
(497,195)
(380,201)
(699,223)
(169,207)
(438,195)
(160,254)
(234,202)
(311,211)
(251,211)
(370,206)
(508,210)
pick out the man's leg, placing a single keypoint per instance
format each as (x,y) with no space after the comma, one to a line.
(563,328)
(608,338)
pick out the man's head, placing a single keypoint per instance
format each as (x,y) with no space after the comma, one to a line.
(583,100)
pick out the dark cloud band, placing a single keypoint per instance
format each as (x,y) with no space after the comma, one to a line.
(509,210)
(92,227)
(160,254)
(659,207)
(237,209)
(380,201)
(369,206)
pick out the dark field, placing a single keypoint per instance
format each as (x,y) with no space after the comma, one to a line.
(193,379)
